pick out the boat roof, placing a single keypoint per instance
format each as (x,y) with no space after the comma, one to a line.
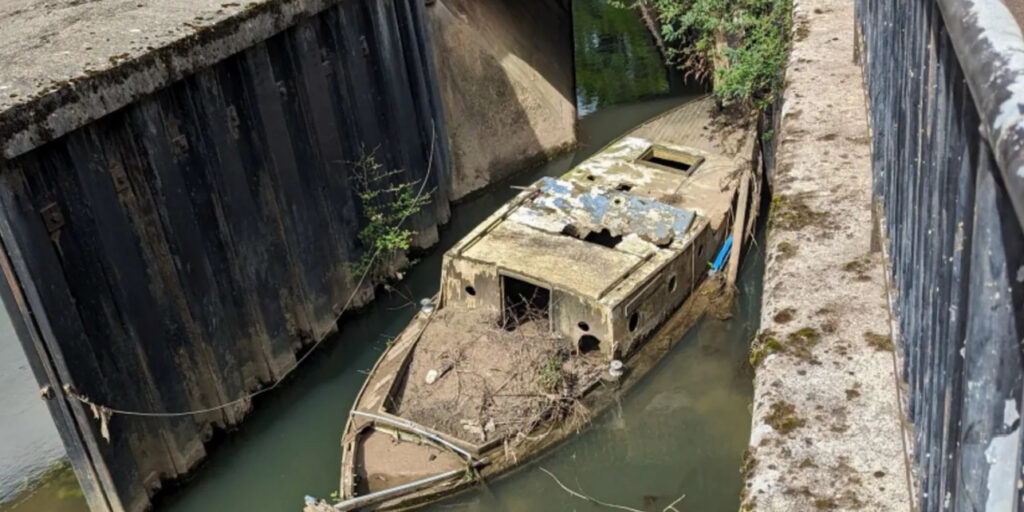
(564,222)
(624,211)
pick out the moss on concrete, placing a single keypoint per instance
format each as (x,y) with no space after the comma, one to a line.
(880,342)
(782,417)
(764,345)
(829,390)
(859,267)
(792,213)
(801,343)
(784,316)
(786,250)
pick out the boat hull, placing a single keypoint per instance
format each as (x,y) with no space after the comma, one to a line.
(548,435)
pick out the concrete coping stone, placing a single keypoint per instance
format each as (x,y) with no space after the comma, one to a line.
(65,63)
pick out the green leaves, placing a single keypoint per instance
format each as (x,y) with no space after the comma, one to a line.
(386,203)
(742,44)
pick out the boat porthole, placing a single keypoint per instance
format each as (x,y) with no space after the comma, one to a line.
(634,319)
(587,343)
(583,326)
(672,284)
(470,290)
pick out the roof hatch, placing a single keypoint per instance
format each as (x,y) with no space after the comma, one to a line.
(671,159)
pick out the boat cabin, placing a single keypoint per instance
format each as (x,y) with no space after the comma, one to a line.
(605,252)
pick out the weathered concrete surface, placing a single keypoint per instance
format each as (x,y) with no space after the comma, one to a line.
(506,69)
(506,75)
(826,419)
(69,62)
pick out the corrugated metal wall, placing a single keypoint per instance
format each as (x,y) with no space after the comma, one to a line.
(178,253)
(948,173)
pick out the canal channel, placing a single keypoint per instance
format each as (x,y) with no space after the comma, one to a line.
(682,431)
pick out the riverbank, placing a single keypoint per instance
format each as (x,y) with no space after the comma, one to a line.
(826,432)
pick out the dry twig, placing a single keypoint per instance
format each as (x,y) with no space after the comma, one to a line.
(588,498)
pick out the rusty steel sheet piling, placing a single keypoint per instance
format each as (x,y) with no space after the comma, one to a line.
(176,251)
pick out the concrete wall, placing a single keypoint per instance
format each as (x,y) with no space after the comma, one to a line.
(506,73)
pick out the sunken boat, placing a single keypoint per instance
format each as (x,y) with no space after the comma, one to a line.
(552,308)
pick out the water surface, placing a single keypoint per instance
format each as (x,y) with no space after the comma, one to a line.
(28,440)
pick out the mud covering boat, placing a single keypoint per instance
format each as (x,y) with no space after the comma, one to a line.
(550,309)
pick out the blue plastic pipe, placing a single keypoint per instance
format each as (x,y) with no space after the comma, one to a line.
(723,256)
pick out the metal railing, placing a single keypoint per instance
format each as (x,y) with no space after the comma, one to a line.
(946,89)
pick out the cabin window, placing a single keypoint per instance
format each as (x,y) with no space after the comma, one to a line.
(588,343)
(665,158)
(470,290)
(634,320)
(672,284)
(624,187)
(583,326)
(523,302)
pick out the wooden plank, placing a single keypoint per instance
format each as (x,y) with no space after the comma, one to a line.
(194,223)
(432,130)
(136,448)
(303,173)
(397,106)
(244,240)
(353,37)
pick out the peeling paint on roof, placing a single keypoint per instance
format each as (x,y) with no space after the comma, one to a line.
(562,203)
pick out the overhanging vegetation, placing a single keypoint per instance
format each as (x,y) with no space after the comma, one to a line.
(740,44)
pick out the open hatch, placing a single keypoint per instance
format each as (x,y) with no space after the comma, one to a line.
(672,159)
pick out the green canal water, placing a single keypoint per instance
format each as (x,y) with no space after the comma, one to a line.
(682,430)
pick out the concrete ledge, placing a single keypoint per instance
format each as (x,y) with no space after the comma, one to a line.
(69,62)
(827,431)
